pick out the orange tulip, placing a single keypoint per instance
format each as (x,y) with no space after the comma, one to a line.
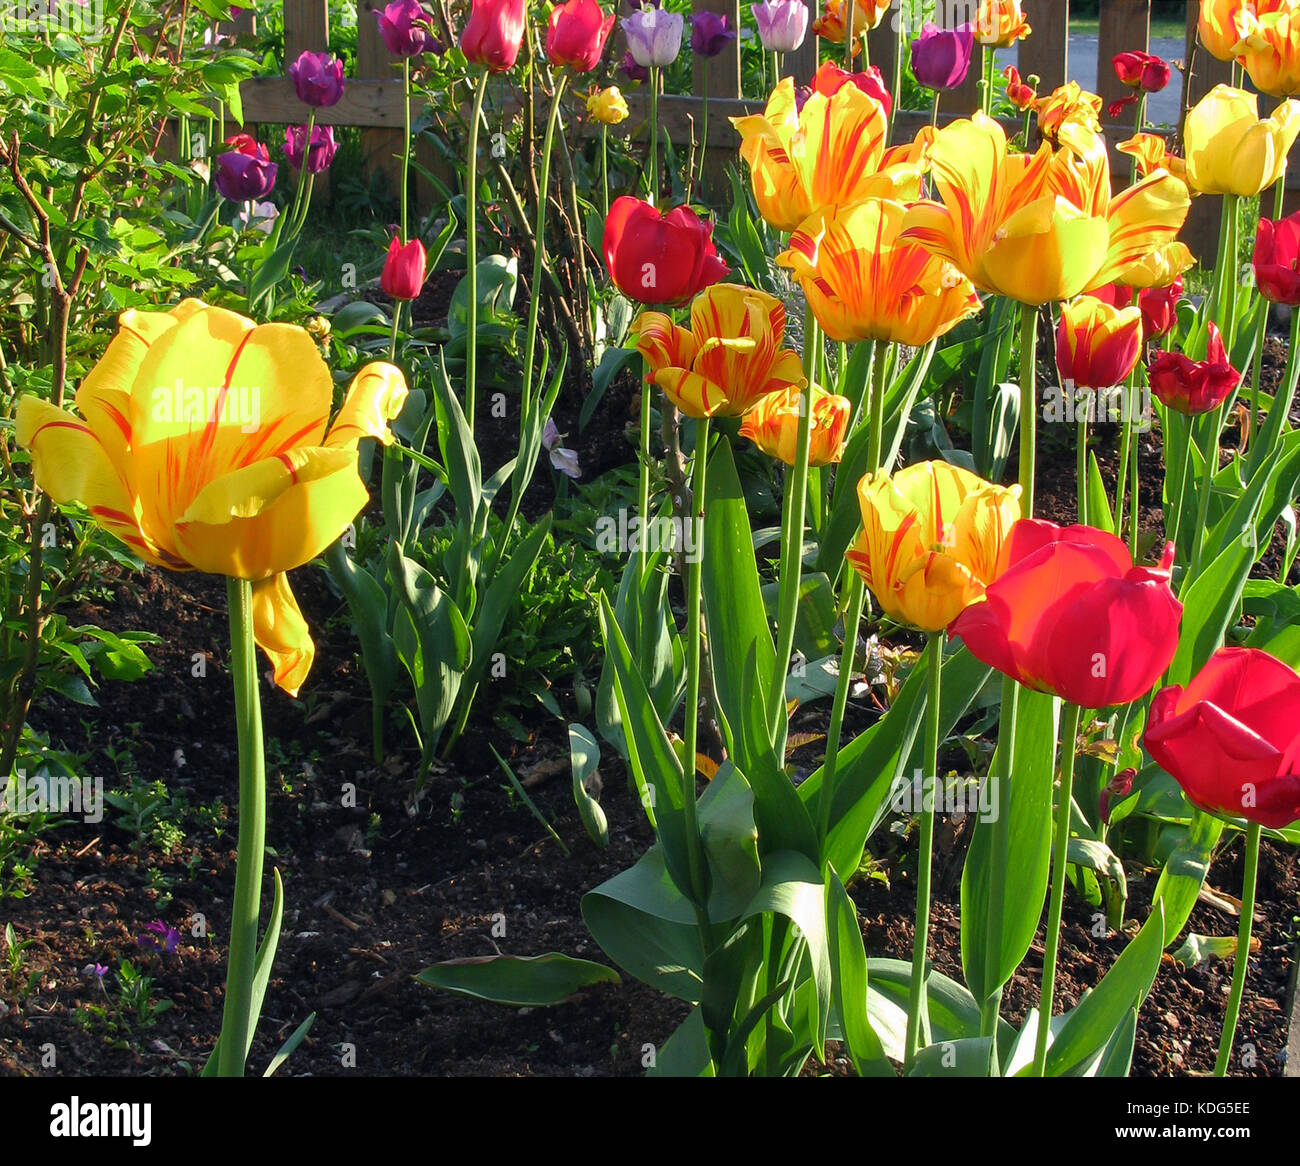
(1038,228)
(730,357)
(204,444)
(863,283)
(773,425)
(1217,26)
(829,153)
(832,25)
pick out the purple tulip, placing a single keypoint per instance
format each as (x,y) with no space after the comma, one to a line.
(710,34)
(782,24)
(941,57)
(317,79)
(244,178)
(319,154)
(654,37)
(631,70)
(404,25)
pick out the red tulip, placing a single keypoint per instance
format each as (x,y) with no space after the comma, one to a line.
(1277,249)
(830,79)
(494,34)
(1231,738)
(1192,387)
(1020,95)
(1142,71)
(247,145)
(577,33)
(1073,616)
(403,274)
(659,259)
(1159,309)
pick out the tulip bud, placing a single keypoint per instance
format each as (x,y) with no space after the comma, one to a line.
(1194,387)
(1143,71)
(1000,23)
(710,34)
(577,33)
(404,25)
(654,36)
(941,57)
(317,79)
(659,259)
(494,34)
(608,105)
(1277,260)
(403,274)
(1159,307)
(782,24)
(773,425)
(1020,95)
(1119,786)
(244,177)
(319,154)
(1097,345)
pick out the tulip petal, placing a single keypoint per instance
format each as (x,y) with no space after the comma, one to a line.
(374,398)
(70,463)
(281,632)
(274,515)
(1047,251)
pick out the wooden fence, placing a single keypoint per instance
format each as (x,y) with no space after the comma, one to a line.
(373,98)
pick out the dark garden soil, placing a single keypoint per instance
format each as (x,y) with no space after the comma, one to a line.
(382,883)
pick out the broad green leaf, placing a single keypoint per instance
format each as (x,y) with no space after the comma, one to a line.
(849,983)
(1184,873)
(520,981)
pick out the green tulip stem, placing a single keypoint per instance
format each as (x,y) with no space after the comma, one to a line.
(1211,452)
(652,163)
(295,207)
(406,139)
(1060,853)
(704,129)
(1121,479)
(604,169)
(1028,405)
(794,510)
(1241,959)
(1184,473)
(1081,459)
(851,8)
(237,1011)
(1261,330)
(878,384)
(471,253)
(917,1011)
(694,587)
(1134,465)
(986,98)
(852,621)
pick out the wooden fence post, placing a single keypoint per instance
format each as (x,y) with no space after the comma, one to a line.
(721,75)
(380,148)
(1124,26)
(1046,50)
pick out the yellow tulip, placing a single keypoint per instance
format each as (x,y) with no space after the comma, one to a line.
(863,283)
(1038,228)
(773,425)
(1160,268)
(934,536)
(1151,152)
(607,105)
(730,358)
(1230,150)
(204,444)
(1000,23)
(829,153)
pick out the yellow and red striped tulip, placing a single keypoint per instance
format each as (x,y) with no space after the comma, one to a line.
(1000,23)
(204,443)
(1230,150)
(934,536)
(832,24)
(773,425)
(728,360)
(864,283)
(1217,25)
(1071,116)
(1159,268)
(1097,344)
(1151,153)
(829,153)
(1270,49)
(1038,228)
